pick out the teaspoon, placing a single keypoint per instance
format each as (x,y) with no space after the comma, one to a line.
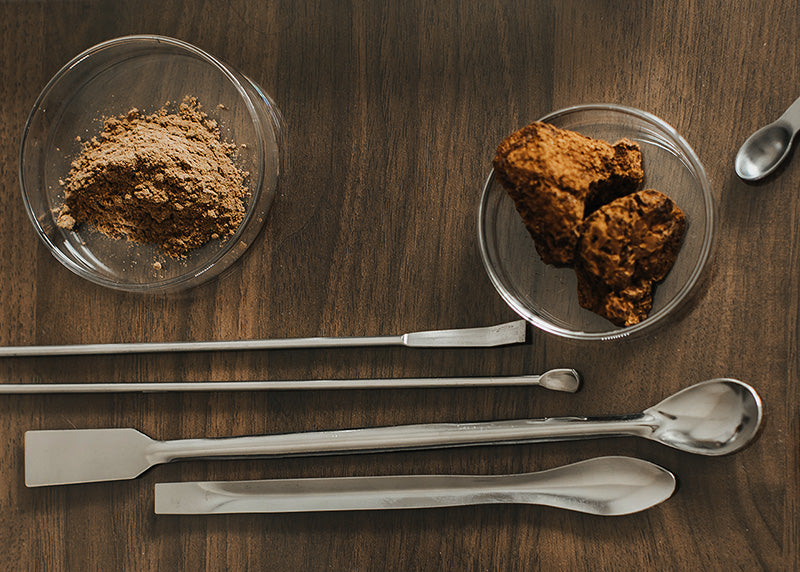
(765,149)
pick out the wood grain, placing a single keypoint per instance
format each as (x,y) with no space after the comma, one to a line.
(393,112)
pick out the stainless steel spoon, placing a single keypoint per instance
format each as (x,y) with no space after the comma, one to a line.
(765,149)
(714,417)
(562,379)
(607,486)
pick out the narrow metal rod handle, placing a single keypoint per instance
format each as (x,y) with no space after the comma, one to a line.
(402,437)
(161,387)
(130,348)
(487,336)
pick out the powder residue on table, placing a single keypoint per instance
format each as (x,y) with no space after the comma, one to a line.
(165,178)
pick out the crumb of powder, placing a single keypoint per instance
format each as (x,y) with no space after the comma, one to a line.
(65,220)
(165,178)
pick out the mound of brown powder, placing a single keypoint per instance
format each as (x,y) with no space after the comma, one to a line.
(165,178)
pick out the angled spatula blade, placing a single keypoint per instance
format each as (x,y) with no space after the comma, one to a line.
(84,455)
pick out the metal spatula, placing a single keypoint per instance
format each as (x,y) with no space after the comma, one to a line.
(489,336)
(714,417)
(607,486)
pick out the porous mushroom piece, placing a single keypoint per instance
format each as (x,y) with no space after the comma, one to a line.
(625,248)
(557,177)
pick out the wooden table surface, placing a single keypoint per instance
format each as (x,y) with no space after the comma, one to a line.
(393,114)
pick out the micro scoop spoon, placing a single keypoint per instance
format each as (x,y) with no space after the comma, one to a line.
(561,379)
(765,149)
(714,417)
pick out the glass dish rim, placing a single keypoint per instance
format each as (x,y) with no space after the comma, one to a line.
(617,333)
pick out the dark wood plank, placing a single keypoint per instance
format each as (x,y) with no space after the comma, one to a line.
(393,113)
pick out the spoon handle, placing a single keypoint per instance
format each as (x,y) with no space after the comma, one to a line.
(607,486)
(401,437)
(792,115)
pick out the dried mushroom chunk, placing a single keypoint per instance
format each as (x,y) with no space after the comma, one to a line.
(625,247)
(557,177)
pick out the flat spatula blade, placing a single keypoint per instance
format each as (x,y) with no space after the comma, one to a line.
(84,455)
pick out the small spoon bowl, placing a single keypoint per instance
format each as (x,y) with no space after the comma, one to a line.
(764,151)
(767,148)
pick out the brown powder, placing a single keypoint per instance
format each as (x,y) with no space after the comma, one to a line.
(165,178)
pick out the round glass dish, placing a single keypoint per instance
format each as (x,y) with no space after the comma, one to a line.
(547,296)
(145,72)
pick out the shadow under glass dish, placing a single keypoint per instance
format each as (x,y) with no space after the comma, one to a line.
(547,296)
(145,72)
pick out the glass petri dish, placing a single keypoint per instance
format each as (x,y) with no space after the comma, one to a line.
(145,72)
(547,296)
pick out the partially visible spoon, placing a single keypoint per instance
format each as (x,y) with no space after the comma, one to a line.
(765,149)
(607,486)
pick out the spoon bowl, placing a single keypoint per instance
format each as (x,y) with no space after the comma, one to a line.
(763,151)
(714,417)
(767,148)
